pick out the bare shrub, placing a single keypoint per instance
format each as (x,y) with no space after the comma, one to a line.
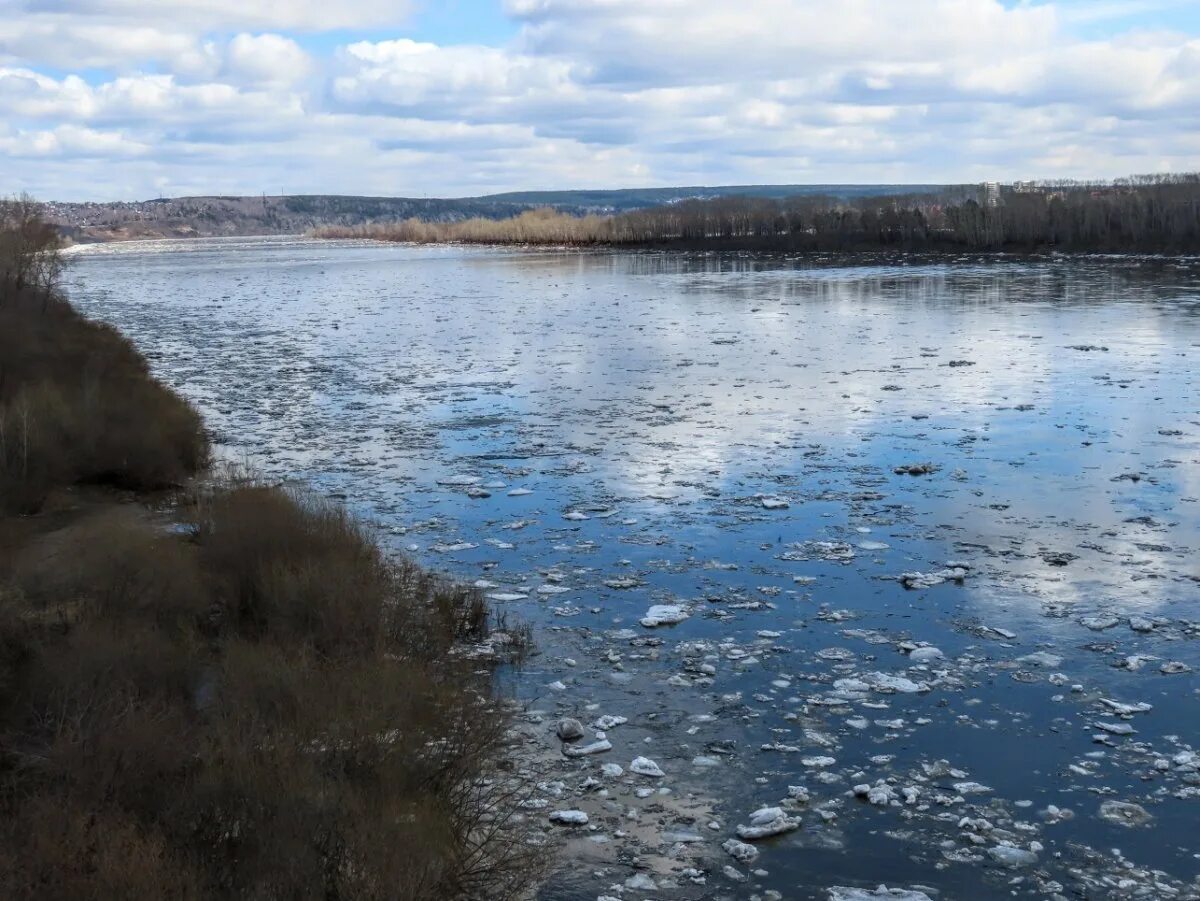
(256,705)
(77,401)
(361,783)
(319,739)
(29,249)
(119,565)
(295,569)
(55,850)
(541,226)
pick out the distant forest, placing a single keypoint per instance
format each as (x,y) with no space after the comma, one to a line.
(291,214)
(1155,213)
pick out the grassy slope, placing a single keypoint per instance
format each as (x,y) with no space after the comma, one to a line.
(242,699)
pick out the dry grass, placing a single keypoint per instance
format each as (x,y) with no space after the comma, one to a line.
(78,404)
(250,701)
(542,226)
(262,703)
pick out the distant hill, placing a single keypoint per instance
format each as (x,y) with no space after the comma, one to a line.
(296,214)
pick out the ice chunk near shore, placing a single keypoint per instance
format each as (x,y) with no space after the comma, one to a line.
(1007,855)
(1134,662)
(1125,814)
(775,503)
(644,766)
(889,683)
(971,788)
(740,851)
(925,655)
(880,795)
(664,615)
(1123,709)
(883,893)
(641,882)
(919,580)
(622,582)
(507,596)
(453,548)
(597,747)
(766,822)
(818,763)
(519,492)
(458,481)
(569,818)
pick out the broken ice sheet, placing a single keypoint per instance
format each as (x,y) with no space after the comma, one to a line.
(665,614)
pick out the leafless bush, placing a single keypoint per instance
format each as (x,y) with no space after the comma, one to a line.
(256,705)
(30,262)
(78,404)
(51,850)
(542,226)
(262,706)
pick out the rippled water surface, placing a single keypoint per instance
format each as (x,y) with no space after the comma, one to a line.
(722,433)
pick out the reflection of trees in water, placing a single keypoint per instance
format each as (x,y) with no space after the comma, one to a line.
(936,279)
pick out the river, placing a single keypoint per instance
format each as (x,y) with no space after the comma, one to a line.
(933,525)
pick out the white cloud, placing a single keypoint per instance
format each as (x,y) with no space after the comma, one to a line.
(450,80)
(71,141)
(592,93)
(706,41)
(301,15)
(82,44)
(265,59)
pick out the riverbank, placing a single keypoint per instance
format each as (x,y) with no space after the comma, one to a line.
(213,686)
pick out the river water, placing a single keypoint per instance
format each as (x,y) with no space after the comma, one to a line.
(591,434)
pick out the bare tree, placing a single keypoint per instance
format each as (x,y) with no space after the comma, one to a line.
(30,250)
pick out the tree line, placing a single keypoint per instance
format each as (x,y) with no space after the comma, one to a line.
(1139,213)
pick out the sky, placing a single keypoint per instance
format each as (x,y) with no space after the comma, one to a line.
(132,99)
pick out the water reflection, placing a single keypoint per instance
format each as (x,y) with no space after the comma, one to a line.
(702,378)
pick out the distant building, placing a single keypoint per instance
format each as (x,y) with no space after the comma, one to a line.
(991,193)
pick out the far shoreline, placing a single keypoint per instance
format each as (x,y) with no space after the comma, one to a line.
(880,256)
